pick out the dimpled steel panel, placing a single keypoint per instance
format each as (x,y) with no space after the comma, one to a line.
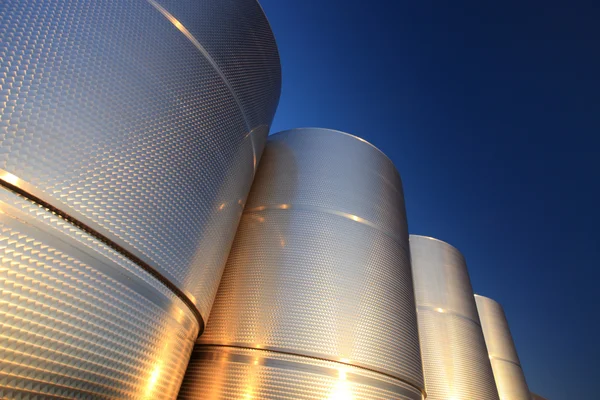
(142,126)
(219,373)
(508,372)
(238,37)
(78,319)
(320,265)
(455,359)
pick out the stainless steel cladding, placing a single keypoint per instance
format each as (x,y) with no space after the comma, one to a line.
(316,300)
(508,373)
(79,320)
(455,358)
(142,120)
(130,134)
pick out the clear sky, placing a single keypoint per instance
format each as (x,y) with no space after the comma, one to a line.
(491,113)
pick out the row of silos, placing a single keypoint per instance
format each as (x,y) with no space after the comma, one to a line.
(131,139)
(326,296)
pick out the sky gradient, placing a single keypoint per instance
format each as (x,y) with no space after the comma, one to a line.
(491,113)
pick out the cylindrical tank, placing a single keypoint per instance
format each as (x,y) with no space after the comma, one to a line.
(508,372)
(455,358)
(316,300)
(139,125)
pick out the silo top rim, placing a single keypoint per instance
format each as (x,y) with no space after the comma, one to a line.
(340,132)
(488,299)
(436,240)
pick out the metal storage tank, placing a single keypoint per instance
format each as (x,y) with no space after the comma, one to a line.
(508,372)
(316,300)
(130,134)
(455,358)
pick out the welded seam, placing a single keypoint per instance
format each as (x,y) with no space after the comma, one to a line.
(251,134)
(330,211)
(99,236)
(449,312)
(171,18)
(10,214)
(505,360)
(202,50)
(314,357)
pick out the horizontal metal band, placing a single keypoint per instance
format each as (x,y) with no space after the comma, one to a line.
(17,185)
(449,312)
(405,380)
(325,210)
(505,360)
(33,394)
(293,366)
(9,215)
(204,52)
(215,66)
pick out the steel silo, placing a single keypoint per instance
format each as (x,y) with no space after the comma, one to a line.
(130,134)
(455,358)
(316,300)
(508,372)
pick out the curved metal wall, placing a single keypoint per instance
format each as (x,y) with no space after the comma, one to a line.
(129,139)
(455,358)
(316,300)
(143,120)
(79,320)
(508,372)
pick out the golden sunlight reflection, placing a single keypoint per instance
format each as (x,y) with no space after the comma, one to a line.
(178,24)
(341,390)
(257,218)
(172,19)
(8,177)
(155,382)
(181,317)
(152,380)
(252,380)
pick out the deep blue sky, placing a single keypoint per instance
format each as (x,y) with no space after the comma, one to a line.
(491,113)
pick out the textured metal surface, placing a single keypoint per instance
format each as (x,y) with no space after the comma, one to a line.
(508,372)
(142,119)
(455,358)
(78,319)
(232,373)
(351,177)
(237,36)
(320,264)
